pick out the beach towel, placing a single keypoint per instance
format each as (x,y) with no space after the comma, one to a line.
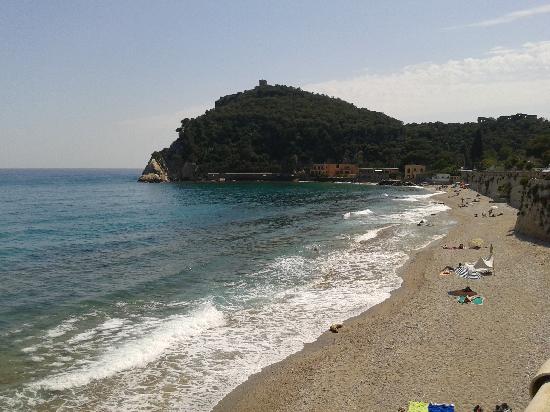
(441,407)
(463,299)
(418,407)
(478,300)
(462,292)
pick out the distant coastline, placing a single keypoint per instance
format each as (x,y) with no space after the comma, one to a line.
(285,131)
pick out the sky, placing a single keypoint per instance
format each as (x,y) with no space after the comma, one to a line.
(105,83)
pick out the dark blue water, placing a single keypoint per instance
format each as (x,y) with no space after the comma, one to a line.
(169,295)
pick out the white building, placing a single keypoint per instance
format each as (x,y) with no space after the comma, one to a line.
(441,179)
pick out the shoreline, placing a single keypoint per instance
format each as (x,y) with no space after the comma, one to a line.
(368,358)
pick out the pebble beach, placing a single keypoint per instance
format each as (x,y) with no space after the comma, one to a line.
(421,344)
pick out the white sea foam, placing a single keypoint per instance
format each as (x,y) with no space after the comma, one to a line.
(82,337)
(416,198)
(112,324)
(62,328)
(205,354)
(371,234)
(415,214)
(349,215)
(138,352)
(190,360)
(427,243)
(30,349)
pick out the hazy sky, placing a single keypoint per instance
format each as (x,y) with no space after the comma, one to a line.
(104,83)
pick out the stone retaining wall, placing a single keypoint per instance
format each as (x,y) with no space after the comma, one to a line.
(527,191)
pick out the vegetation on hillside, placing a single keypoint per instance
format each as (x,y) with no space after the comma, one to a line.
(285,129)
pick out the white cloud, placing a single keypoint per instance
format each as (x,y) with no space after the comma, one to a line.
(505,81)
(509,17)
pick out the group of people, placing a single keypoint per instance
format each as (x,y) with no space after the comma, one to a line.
(490,213)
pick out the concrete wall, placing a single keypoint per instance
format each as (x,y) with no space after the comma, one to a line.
(529,192)
(534,212)
(500,186)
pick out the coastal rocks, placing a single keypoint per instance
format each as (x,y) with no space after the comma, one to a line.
(154,173)
(151,178)
(334,327)
(165,168)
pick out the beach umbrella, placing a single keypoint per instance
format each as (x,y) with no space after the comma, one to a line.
(476,243)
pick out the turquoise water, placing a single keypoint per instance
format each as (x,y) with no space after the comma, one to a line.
(168,296)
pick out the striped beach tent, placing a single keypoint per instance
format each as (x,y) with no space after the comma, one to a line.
(467,271)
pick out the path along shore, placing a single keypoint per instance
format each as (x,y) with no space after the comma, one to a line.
(421,344)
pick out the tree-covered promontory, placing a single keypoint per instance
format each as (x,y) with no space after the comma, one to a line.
(284,129)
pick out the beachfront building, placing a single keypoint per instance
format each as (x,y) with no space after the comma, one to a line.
(332,170)
(372,174)
(441,179)
(253,176)
(411,171)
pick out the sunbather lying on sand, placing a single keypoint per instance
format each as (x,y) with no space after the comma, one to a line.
(461,246)
(447,270)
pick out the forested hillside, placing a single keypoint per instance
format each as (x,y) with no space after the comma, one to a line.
(285,129)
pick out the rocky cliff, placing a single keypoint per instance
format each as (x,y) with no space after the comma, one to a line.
(154,172)
(160,170)
(529,192)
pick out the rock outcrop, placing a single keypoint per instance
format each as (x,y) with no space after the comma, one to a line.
(159,169)
(335,326)
(154,172)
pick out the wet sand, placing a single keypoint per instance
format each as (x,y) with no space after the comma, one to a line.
(421,344)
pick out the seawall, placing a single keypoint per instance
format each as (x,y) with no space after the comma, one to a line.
(527,191)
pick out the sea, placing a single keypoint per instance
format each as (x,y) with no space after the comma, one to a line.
(118,295)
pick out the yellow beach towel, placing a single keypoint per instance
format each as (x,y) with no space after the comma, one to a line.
(418,407)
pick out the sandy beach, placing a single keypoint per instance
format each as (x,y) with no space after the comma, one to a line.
(421,344)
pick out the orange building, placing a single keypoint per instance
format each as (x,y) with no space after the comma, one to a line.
(412,170)
(334,170)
